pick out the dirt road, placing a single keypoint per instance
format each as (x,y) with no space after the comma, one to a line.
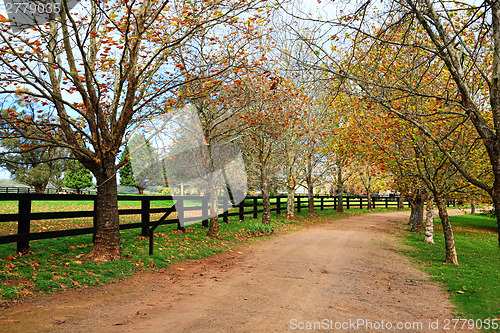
(342,274)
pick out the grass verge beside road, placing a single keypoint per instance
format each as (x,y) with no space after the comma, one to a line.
(474,285)
(57,264)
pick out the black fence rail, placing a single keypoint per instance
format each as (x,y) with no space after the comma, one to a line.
(31,190)
(193,208)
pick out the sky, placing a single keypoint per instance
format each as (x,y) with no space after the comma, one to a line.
(4,174)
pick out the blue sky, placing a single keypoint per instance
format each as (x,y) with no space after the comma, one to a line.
(4,174)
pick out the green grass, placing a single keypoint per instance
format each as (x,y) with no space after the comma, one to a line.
(57,264)
(474,285)
(61,206)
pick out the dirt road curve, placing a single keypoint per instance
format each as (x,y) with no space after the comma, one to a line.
(344,273)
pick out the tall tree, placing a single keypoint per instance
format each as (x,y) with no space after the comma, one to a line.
(135,172)
(127,174)
(97,71)
(36,167)
(77,177)
(264,119)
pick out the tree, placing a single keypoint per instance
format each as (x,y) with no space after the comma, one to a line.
(217,109)
(268,117)
(366,175)
(126,173)
(416,162)
(316,164)
(136,173)
(260,141)
(77,176)
(339,145)
(97,72)
(412,45)
(32,166)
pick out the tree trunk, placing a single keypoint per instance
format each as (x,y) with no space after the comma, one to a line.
(78,191)
(107,245)
(369,197)
(418,220)
(451,253)
(495,195)
(266,205)
(473,205)
(340,191)
(213,228)
(290,202)
(40,189)
(310,184)
(310,195)
(412,211)
(340,201)
(141,190)
(429,222)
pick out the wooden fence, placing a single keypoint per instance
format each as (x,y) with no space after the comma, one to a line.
(28,190)
(250,206)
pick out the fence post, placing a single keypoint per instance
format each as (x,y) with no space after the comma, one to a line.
(255,208)
(241,210)
(298,204)
(386,202)
(374,202)
(278,206)
(335,202)
(225,205)
(360,202)
(180,214)
(145,205)
(23,225)
(347,202)
(204,210)
(322,205)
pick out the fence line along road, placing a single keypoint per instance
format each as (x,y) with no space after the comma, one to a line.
(250,206)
